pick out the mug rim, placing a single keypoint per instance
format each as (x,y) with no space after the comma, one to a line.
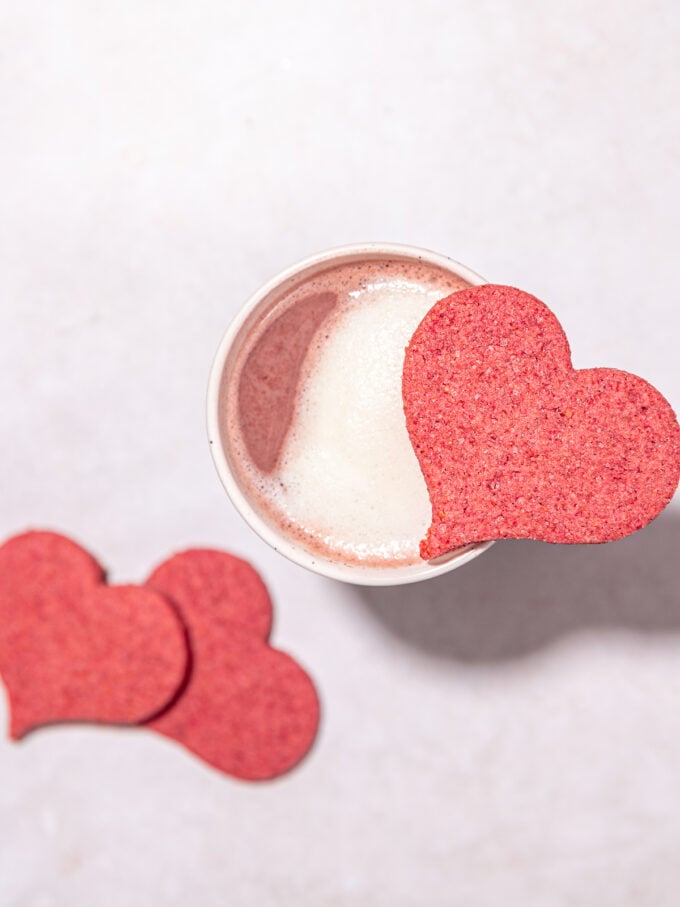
(293,551)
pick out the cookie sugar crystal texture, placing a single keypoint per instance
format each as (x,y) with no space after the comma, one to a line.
(515,443)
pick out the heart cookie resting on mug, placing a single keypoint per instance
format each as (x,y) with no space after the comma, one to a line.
(514,442)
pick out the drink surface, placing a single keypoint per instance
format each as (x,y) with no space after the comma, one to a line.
(314,422)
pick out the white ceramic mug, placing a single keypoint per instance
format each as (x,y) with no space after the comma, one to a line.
(220,374)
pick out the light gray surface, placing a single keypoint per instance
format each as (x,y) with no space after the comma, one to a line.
(509,734)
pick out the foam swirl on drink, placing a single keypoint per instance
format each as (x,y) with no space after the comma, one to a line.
(315,424)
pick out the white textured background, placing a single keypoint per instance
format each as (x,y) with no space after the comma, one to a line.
(508,734)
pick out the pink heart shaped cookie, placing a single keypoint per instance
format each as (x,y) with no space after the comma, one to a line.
(73,648)
(247,709)
(514,442)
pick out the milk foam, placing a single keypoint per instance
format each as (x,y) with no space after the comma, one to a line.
(346,483)
(348,468)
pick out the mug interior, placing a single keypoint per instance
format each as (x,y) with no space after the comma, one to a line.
(221,376)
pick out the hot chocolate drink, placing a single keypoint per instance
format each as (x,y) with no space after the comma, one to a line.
(311,410)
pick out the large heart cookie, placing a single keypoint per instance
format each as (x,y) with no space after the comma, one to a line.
(248,709)
(73,648)
(515,443)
